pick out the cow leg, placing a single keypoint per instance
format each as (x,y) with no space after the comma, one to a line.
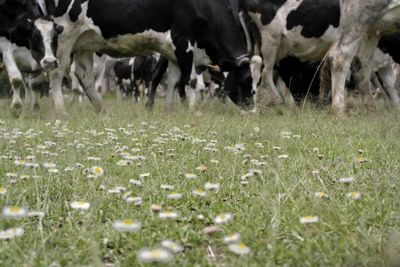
(388,78)
(172,79)
(84,73)
(16,81)
(56,77)
(362,68)
(161,68)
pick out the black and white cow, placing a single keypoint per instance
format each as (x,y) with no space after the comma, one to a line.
(22,47)
(362,24)
(302,30)
(136,27)
(131,73)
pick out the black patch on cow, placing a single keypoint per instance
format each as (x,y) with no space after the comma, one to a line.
(390,44)
(267,8)
(315,16)
(76,10)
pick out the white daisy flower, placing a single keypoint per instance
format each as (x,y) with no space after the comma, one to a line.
(80,205)
(211,186)
(284,156)
(127,225)
(137,201)
(11,233)
(124,163)
(135,182)
(315,172)
(154,255)
(276,148)
(172,246)
(239,248)
(200,217)
(168,215)
(53,170)
(11,175)
(256,129)
(346,180)
(49,165)
(69,169)
(14,212)
(309,219)
(96,170)
(255,171)
(199,193)
(174,196)
(3,191)
(354,195)
(155,207)
(144,175)
(190,176)
(320,195)
(167,187)
(223,218)
(19,162)
(233,238)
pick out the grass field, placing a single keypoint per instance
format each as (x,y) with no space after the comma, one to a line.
(292,154)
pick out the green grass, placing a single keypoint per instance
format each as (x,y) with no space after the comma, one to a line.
(266,212)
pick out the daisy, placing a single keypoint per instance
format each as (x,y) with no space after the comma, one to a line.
(137,201)
(320,195)
(98,171)
(53,170)
(174,196)
(223,218)
(200,217)
(135,182)
(239,248)
(255,171)
(354,195)
(362,160)
(19,162)
(3,191)
(346,180)
(315,172)
(154,255)
(144,175)
(211,186)
(309,219)
(14,212)
(256,129)
(166,187)
(284,156)
(172,246)
(49,165)
(11,233)
(124,163)
(214,161)
(11,175)
(80,205)
(233,238)
(168,215)
(276,148)
(190,176)
(155,207)
(199,193)
(127,225)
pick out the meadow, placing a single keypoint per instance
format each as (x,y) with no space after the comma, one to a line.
(287,188)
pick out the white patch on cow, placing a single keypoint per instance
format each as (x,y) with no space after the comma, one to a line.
(190,47)
(42,6)
(132,61)
(46,29)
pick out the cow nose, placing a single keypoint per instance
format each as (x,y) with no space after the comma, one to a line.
(49,64)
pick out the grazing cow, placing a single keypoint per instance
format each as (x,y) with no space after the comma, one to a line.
(362,24)
(139,29)
(132,72)
(22,46)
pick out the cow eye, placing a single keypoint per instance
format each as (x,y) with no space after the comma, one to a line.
(58,28)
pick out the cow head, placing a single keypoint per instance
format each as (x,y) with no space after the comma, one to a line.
(43,42)
(220,33)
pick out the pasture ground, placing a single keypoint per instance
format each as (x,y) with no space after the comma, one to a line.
(266,211)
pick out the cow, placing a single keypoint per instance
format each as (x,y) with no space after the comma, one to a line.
(23,48)
(130,73)
(362,24)
(302,30)
(139,29)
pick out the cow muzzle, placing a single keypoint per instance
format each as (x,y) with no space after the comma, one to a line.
(49,64)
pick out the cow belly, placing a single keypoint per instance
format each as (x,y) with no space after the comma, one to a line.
(306,49)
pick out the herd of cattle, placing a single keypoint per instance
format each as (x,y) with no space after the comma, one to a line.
(256,52)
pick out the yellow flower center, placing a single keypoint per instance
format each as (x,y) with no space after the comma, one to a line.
(155,253)
(353,194)
(14,209)
(97,170)
(241,246)
(127,221)
(307,218)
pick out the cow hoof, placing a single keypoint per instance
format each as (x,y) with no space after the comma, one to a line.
(16,110)
(149,106)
